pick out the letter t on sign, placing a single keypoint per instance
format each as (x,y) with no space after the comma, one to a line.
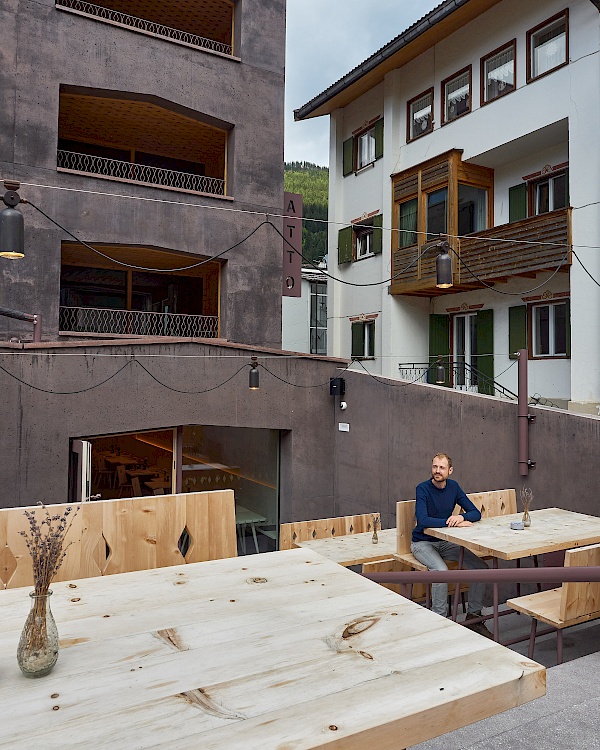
(292,231)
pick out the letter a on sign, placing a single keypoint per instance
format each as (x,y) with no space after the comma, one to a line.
(292,245)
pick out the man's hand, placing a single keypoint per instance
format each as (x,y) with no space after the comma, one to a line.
(458,521)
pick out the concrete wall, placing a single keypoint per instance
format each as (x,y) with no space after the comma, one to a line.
(42,47)
(394,428)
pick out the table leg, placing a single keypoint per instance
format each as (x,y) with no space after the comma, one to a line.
(559,646)
(254,536)
(242,530)
(496,598)
(461,557)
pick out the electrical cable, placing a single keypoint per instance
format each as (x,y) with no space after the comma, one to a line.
(177,390)
(65,393)
(296,385)
(394,385)
(142,268)
(585,269)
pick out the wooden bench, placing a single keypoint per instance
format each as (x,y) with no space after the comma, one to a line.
(123,535)
(322,528)
(571,604)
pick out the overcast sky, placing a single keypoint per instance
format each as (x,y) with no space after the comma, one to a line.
(325,40)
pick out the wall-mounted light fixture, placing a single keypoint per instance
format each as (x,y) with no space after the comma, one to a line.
(11,223)
(254,375)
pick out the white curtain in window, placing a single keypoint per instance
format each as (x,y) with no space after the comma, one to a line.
(458,89)
(366,149)
(550,49)
(501,67)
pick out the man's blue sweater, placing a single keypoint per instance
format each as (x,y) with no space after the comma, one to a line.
(435,506)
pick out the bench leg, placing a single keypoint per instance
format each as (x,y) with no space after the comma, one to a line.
(518,582)
(461,557)
(559,646)
(532,638)
(428,595)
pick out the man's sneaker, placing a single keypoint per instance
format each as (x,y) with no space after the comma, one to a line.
(480,628)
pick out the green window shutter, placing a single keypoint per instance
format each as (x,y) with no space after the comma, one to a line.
(358,340)
(517,202)
(345,245)
(568,319)
(439,344)
(348,163)
(379,138)
(378,234)
(485,346)
(371,352)
(517,330)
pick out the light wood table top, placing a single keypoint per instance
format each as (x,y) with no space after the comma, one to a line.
(551,529)
(355,549)
(273,651)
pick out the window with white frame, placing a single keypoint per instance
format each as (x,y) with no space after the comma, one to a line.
(420,115)
(456,95)
(550,329)
(364,242)
(498,72)
(365,149)
(551,193)
(547,46)
(318,318)
(363,339)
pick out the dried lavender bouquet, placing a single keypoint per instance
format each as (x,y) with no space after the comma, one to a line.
(45,540)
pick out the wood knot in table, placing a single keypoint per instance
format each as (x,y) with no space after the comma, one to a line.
(172,638)
(256,580)
(201,699)
(348,641)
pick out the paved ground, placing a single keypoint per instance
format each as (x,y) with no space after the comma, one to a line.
(567,718)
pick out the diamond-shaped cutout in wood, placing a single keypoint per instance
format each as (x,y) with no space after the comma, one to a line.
(8,565)
(184,542)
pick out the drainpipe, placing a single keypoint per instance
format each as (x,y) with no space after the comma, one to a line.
(35,319)
(524,417)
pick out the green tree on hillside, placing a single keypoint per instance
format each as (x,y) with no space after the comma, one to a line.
(312,182)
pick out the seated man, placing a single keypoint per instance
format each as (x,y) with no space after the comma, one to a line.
(436,499)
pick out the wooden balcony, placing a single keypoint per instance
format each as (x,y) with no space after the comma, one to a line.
(489,257)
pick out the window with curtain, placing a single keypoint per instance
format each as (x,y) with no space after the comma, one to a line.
(547,46)
(498,73)
(407,223)
(472,209)
(437,213)
(420,115)
(457,95)
(366,149)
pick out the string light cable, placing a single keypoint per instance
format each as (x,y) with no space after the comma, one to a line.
(298,385)
(585,269)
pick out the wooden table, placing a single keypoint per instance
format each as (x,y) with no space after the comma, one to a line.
(159,484)
(355,549)
(123,460)
(280,650)
(149,471)
(551,529)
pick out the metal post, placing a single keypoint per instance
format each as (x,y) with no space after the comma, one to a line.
(37,328)
(523,417)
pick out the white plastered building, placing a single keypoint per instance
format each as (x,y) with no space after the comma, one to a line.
(478,124)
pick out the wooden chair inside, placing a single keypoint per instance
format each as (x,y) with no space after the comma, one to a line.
(571,604)
(323,528)
(124,485)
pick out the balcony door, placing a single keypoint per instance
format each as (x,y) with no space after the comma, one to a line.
(465,352)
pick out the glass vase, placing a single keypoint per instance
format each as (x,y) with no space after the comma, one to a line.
(38,648)
(526,519)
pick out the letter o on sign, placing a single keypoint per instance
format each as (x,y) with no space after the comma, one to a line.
(289,282)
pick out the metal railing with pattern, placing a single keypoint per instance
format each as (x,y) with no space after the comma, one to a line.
(141,24)
(463,377)
(124,170)
(137,322)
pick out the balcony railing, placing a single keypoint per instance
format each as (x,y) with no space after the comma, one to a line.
(539,243)
(137,323)
(460,375)
(128,172)
(141,24)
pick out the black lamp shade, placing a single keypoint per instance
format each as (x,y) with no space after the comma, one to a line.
(254,379)
(11,233)
(443,269)
(440,374)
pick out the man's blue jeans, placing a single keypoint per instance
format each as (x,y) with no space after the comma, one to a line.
(433,554)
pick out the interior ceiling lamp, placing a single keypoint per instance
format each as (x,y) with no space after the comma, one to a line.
(11,224)
(443,265)
(254,376)
(440,372)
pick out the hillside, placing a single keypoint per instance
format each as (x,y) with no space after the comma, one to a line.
(313,182)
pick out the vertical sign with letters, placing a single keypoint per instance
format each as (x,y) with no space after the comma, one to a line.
(292,231)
